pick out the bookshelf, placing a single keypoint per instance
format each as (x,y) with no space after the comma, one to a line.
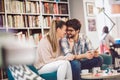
(53,9)
(30,19)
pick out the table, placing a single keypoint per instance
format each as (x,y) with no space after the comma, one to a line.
(91,76)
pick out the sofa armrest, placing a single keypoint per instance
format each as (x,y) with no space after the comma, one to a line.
(107,60)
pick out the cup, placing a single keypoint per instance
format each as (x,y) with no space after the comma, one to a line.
(85,71)
(96,70)
(114,71)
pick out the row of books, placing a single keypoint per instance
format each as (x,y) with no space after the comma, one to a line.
(53,8)
(47,20)
(17,21)
(23,21)
(19,6)
(33,38)
(2,9)
(2,20)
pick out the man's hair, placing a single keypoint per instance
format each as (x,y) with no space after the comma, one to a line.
(74,23)
(105,29)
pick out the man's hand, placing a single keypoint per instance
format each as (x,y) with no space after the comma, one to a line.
(89,55)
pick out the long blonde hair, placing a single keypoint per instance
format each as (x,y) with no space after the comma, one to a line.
(52,33)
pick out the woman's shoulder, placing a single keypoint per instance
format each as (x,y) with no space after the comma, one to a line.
(44,39)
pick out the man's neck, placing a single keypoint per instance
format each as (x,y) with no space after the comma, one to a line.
(76,38)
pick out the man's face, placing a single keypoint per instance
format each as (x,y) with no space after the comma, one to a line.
(71,33)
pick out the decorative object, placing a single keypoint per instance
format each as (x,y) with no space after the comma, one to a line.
(89,8)
(91,24)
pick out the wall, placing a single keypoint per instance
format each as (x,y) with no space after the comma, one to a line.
(76,11)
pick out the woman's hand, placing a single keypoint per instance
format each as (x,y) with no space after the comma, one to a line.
(96,53)
(70,57)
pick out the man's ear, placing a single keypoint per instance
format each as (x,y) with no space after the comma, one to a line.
(78,31)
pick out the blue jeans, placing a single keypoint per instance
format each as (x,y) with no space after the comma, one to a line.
(77,65)
(90,63)
(76,69)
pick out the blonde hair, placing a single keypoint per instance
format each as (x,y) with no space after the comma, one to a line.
(52,33)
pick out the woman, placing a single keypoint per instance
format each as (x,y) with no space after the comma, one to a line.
(106,40)
(49,57)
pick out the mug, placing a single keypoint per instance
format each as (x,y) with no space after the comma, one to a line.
(95,70)
(85,71)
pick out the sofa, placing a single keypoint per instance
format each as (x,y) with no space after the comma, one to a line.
(107,60)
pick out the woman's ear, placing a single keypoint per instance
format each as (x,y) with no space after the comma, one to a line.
(58,29)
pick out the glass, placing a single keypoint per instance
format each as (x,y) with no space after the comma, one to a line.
(70,30)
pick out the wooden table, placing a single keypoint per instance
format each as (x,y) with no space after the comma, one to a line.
(100,76)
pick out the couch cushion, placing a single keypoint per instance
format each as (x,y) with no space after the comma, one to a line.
(47,76)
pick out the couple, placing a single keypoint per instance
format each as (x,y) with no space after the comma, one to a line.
(61,50)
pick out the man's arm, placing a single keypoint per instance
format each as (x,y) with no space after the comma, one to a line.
(65,47)
(87,55)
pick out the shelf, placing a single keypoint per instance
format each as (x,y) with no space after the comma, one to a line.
(48,1)
(61,15)
(2,28)
(17,28)
(35,28)
(2,12)
(46,27)
(55,14)
(62,2)
(9,13)
(33,0)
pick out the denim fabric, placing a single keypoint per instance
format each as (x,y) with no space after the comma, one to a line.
(76,68)
(90,63)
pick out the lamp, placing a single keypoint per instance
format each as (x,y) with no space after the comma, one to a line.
(98,10)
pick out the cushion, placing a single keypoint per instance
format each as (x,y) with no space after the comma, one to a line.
(47,76)
(22,72)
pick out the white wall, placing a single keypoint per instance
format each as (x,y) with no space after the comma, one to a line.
(93,35)
(76,11)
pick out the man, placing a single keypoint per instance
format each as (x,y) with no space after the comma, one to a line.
(75,44)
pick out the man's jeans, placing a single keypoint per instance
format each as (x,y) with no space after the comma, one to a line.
(76,68)
(90,63)
(78,65)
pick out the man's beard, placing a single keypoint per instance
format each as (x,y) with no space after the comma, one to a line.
(70,36)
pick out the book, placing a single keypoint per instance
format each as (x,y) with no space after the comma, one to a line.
(63,9)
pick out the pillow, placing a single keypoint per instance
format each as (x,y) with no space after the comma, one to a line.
(22,72)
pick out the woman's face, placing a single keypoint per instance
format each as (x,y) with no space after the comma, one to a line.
(61,31)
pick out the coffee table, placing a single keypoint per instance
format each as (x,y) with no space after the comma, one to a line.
(90,76)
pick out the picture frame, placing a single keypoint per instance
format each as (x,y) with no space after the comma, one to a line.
(90,8)
(92,24)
